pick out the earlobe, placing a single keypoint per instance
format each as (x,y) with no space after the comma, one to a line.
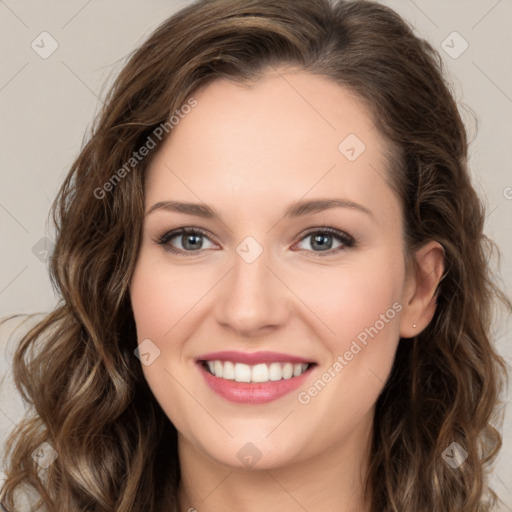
(420,292)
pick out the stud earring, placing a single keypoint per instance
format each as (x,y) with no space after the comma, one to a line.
(414,325)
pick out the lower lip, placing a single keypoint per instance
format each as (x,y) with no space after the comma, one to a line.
(252,392)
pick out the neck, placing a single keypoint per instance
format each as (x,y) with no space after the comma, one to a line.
(332,480)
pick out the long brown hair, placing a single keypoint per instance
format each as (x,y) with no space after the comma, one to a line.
(117,450)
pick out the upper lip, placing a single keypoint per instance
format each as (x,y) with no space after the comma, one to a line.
(252,358)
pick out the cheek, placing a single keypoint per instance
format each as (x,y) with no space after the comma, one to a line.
(366,302)
(352,298)
(157,306)
(361,304)
(160,296)
(148,306)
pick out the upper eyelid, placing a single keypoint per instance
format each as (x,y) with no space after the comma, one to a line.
(172,233)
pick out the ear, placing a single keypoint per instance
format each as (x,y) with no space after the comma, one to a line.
(420,288)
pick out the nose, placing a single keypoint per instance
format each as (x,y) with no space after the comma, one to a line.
(252,298)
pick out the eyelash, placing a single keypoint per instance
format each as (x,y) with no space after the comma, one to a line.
(347,240)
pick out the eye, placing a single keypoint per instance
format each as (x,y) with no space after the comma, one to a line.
(190,239)
(325,238)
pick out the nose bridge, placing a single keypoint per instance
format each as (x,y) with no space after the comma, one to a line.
(251,297)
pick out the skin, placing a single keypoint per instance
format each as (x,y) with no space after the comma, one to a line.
(248,152)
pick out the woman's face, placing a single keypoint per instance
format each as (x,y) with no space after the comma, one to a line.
(272,270)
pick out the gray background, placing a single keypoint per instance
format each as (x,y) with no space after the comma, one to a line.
(48,103)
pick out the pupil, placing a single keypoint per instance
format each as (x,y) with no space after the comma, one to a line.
(320,239)
(189,239)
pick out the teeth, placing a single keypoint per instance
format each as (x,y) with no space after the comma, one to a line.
(297,369)
(218,368)
(288,371)
(258,373)
(242,372)
(275,371)
(228,371)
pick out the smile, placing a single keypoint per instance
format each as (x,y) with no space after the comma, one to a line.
(254,378)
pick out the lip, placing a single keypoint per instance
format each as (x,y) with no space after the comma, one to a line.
(253,392)
(252,358)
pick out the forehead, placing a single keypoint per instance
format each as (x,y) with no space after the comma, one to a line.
(288,134)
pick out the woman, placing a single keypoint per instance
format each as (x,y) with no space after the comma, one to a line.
(327,347)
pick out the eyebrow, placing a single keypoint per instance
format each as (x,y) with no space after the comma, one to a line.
(296,209)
